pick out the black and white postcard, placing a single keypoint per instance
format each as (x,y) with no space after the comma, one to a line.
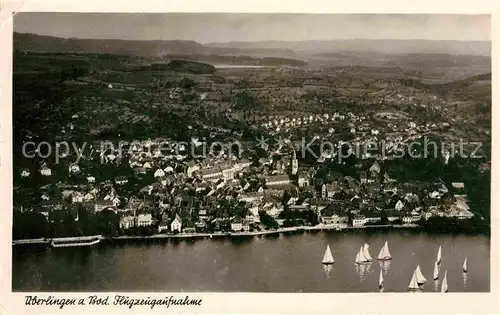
(160,160)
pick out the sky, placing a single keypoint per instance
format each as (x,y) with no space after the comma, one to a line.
(226,27)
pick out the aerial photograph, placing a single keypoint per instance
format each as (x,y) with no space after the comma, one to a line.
(251,152)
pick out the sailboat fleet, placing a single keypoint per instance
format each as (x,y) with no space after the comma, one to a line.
(417,280)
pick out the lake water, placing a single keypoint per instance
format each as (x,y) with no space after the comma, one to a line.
(288,263)
(239,66)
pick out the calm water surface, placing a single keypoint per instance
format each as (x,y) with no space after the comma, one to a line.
(288,263)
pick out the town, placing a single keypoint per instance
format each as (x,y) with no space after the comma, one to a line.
(165,182)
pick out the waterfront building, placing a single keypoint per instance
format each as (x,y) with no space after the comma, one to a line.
(176,224)
(127,222)
(358,221)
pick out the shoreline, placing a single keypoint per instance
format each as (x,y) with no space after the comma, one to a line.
(47,241)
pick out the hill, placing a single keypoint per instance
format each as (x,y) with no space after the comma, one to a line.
(38,43)
(34,42)
(387,46)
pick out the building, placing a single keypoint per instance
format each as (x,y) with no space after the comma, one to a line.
(303,181)
(144,219)
(460,209)
(295,163)
(237,224)
(77,197)
(212,174)
(330,215)
(45,171)
(74,168)
(372,217)
(358,221)
(159,173)
(127,222)
(242,164)
(176,224)
(393,215)
(103,204)
(277,180)
(163,226)
(328,190)
(228,171)
(399,205)
(121,180)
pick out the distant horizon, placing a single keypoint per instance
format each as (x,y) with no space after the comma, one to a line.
(207,28)
(259,41)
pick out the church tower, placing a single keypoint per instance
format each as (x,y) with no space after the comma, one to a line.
(295,163)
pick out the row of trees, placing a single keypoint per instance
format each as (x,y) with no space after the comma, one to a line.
(28,225)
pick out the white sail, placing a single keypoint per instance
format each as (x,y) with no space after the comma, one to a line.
(328,258)
(366,252)
(381,280)
(438,259)
(420,277)
(436,271)
(413,282)
(360,257)
(384,253)
(444,285)
(464,267)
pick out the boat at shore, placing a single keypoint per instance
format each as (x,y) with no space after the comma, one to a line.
(81,241)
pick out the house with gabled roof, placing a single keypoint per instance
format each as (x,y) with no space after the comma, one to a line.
(45,171)
(399,206)
(176,224)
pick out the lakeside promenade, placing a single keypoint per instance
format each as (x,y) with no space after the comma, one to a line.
(319,227)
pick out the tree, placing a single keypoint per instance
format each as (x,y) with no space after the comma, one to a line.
(268,221)
(187,83)
(244,100)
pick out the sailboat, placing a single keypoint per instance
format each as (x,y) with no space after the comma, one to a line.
(444,285)
(464,267)
(361,258)
(420,277)
(436,271)
(380,280)
(366,252)
(384,253)
(328,258)
(438,259)
(413,286)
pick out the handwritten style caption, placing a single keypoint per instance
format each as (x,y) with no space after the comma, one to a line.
(117,300)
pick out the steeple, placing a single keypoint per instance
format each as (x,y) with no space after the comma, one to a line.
(295,163)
